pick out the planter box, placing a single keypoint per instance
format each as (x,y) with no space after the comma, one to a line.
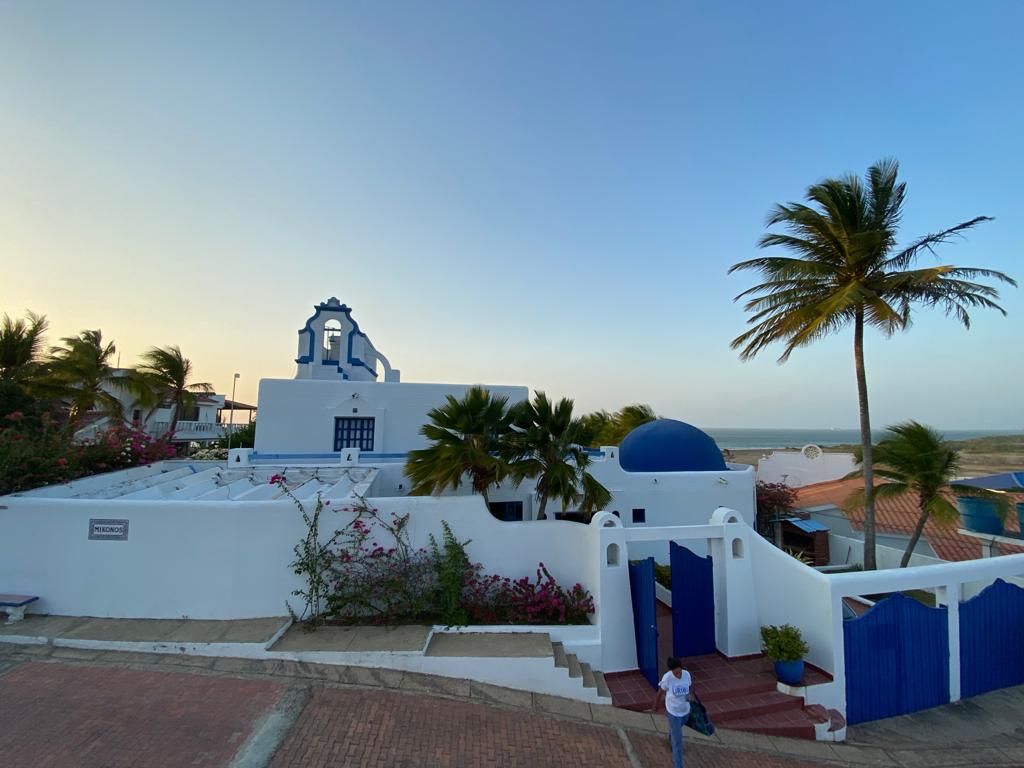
(979,515)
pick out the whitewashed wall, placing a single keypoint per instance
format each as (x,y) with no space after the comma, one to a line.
(674,498)
(796,470)
(228,560)
(297,415)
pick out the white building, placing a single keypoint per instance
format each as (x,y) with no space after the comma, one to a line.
(345,396)
(200,423)
(807,466)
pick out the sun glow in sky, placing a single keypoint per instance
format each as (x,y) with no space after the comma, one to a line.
(533,193)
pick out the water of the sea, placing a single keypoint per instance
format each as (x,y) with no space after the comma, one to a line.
(737,438)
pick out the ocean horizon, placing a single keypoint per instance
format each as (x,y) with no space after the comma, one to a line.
(741,438)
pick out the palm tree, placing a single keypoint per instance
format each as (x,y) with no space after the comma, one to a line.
(21,347)
(915,459)
(466,439)
(165,377)
(846,269)
(80,372)
(604,428)
(546,444)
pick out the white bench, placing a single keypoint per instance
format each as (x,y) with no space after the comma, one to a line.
(14,606)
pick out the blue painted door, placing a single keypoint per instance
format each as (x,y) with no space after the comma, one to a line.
(897,659)
(645,620)
(693,603)
(991,629)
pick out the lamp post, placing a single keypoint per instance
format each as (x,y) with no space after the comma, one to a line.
(231,418)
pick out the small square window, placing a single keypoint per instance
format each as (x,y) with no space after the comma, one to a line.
(353,433)
(639,516)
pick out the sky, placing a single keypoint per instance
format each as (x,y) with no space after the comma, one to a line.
(536,193)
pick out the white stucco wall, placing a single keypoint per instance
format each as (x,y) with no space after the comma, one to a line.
(297,415)
(797,470)
(228,560)
(674,498)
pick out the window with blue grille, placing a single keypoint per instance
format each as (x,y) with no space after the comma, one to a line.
(353,433)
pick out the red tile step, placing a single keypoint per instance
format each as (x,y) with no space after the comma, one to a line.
(725,711)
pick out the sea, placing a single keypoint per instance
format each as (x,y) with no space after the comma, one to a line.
(738,438)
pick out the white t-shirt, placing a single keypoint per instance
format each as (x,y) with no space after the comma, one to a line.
(677,693)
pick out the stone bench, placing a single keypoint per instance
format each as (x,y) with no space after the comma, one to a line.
(14,606)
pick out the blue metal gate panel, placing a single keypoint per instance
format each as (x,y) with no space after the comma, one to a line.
(991,628)
(897,659)
(693,603)
(645,620)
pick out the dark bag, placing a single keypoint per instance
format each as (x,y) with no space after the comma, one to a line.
(699,719)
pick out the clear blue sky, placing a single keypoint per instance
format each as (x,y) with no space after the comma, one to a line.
(529,193)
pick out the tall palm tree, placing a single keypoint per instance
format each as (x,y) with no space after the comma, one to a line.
(466,439)
(846,269)
(165,377)
(21,347)
(546,444)
(80,372)
(915,459)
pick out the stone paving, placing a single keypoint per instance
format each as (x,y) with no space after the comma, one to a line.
(74,707)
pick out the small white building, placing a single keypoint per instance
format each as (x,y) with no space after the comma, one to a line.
(807,466)
(345,394)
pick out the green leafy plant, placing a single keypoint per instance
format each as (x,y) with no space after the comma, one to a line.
(783,643)
(313,560)
(453,570)
(800,555)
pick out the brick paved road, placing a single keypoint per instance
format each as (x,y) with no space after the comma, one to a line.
(63,716)
(89,715)
(376,729)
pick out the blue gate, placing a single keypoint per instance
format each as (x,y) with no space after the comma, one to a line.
(693,603)
(991,628)
(897,659)
(645,620)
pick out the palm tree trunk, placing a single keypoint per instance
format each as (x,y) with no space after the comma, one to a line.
(175,413)
(865,442)
(918,529)
(543,506)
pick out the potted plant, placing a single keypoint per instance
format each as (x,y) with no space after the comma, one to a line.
(785,646)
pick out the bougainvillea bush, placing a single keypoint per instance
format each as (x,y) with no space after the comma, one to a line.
(368,573)
(35,452)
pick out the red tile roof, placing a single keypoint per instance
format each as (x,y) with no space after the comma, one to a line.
(899,516)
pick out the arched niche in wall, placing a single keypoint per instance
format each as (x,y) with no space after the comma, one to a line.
(612,555)
(737,548)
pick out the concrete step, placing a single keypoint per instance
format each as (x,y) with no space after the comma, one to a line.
(574,665)
(789,730)
(560,659)
(588,676)
(602,685)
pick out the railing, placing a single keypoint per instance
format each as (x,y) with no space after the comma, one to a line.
(187,428)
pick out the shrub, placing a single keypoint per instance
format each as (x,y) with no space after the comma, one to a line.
(773,500)
(452,568)
(783,643)
(492,599)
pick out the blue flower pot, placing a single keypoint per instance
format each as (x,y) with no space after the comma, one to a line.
(790,672)
(979,515)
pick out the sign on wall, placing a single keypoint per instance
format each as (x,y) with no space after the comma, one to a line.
(108,530)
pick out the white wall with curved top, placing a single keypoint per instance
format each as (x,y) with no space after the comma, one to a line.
(229,559)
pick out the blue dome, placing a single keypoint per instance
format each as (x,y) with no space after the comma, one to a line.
(667,445)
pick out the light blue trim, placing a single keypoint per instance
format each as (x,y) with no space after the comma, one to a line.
(308,329)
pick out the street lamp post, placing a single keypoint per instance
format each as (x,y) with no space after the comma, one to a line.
(231,418)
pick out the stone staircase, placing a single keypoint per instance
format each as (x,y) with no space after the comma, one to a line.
(743,695)
(590,677)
